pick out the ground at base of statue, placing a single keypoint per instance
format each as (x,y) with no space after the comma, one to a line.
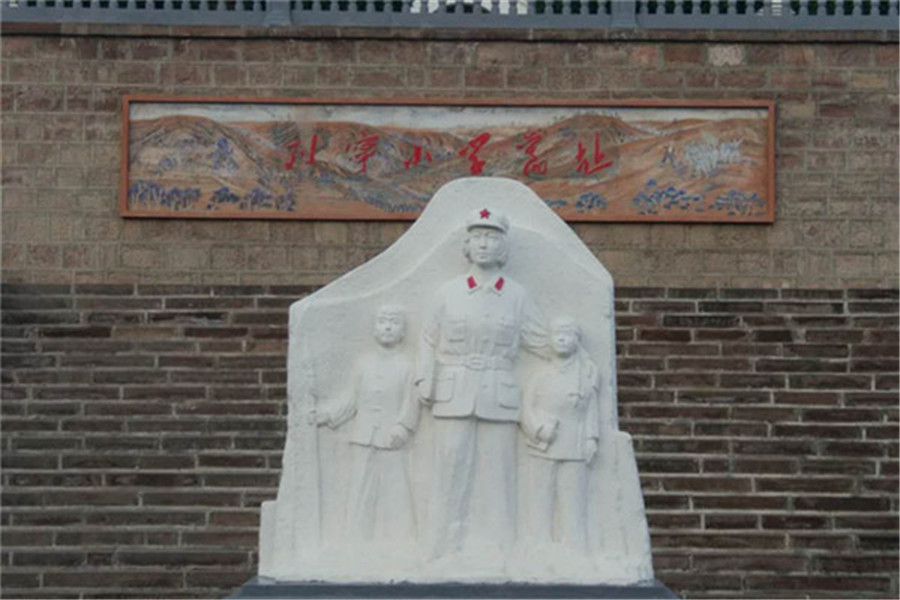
(264,588)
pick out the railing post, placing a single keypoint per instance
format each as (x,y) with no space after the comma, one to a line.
(624,14)
(277,13)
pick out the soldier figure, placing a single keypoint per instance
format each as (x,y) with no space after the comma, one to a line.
(471,337)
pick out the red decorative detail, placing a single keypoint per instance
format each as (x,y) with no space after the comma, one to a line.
(417,157)
(295,146)
(485,213)
(471,152)
(596,164)
(471,282)
(533,164)
(364,149)
(499,284)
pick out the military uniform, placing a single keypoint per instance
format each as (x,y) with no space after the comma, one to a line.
(471,337)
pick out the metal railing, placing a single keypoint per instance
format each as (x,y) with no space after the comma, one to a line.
(872,15)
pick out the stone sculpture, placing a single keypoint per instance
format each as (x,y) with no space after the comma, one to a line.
(516,470)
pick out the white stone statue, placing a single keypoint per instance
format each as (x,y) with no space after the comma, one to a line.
(516,470)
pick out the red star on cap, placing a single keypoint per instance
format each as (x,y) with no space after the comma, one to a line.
(485,213)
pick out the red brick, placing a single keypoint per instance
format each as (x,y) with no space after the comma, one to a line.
(662,79)
(450,53)
(684,54)
(886,56)
(150,50)
(764,55)
(217,50)
(708,541)
(707,484)
(701,583)
(744,563)
(846,55)
(765,465)
(729,521)
(368,77)
(497,53)
(118,578)
(18,47)
(742,79)
(824,583)
(857,564)
(852,382)
(525,77)
(228,578)
(841,504)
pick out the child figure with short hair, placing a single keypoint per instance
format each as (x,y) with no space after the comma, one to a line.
(385,414)
(561,421)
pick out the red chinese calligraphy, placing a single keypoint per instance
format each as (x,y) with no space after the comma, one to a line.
(364,149)
(471,152)
(596,164)
(417,156)
(533,164)
(297,152)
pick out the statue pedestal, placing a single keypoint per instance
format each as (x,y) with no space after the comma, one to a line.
(262,587)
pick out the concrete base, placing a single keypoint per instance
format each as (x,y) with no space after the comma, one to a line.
(262,587)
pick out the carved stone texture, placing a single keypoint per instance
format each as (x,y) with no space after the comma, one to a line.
(475,439)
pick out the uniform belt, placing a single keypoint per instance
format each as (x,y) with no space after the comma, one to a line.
(478,362)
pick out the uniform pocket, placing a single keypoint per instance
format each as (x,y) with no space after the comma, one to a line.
(455,330)
(506,331)
(443,388)
(508,392)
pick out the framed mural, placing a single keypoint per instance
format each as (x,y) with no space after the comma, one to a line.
(276,158)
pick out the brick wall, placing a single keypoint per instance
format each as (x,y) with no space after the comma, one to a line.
(143,425)
(143,360)
(837,180)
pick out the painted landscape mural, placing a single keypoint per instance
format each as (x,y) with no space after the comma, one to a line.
(384,161)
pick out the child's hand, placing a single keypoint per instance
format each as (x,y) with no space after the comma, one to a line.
(547,433)
(314,417)
(399,436)
(590,450)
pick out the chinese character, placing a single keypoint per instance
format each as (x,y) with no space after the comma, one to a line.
(533,164)
(417,157)
(477,143)
(364,149)
(295,146)
(598,165)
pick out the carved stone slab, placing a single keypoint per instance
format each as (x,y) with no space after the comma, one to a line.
(452,411)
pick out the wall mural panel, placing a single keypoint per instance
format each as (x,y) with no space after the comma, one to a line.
(633,160)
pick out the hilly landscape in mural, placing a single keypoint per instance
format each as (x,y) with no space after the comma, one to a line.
(586,167)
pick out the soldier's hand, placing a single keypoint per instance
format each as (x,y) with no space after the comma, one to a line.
(546,433)
(424,394)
